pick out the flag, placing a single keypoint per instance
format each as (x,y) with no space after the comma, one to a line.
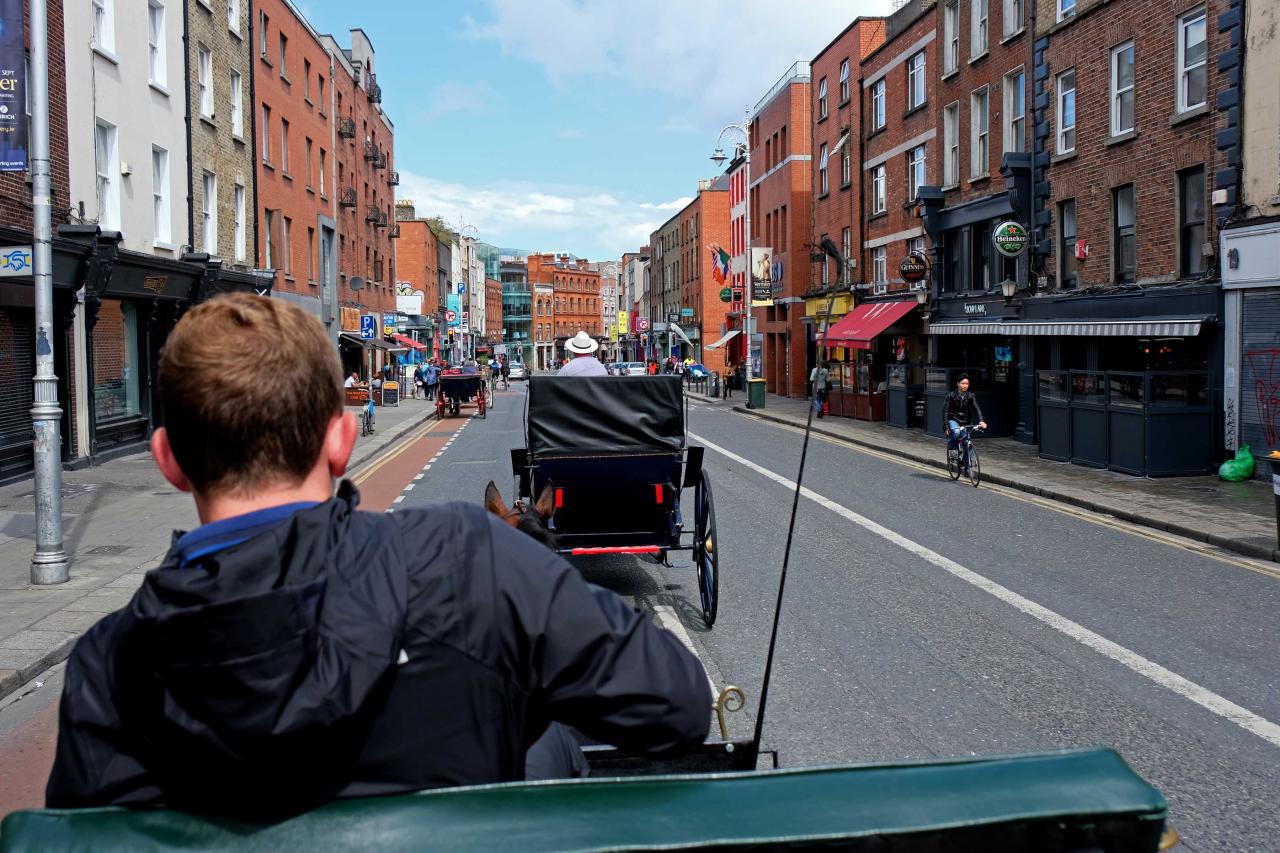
(719,262)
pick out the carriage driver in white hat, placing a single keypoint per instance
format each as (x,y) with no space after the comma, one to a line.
(583,362)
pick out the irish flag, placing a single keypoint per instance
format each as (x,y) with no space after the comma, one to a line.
(719,262)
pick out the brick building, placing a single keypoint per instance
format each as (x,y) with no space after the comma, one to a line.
(493,332)
(418,266)
(297,234)
(575,296)
(663,300)
(704,221)
(738,347)
(781,197)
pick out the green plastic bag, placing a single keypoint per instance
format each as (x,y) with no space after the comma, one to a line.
(1240,468)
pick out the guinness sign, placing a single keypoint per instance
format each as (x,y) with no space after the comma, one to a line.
(914,267)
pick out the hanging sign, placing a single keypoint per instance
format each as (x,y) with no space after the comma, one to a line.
(726,295)
(914,267)
(13,89)
(761,270)
(1011,238)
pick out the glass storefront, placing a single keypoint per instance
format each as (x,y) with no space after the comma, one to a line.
(116,386)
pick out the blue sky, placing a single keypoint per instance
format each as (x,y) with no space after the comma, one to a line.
(572,125)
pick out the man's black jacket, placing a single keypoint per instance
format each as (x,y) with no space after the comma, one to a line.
(346,653)
(962,408)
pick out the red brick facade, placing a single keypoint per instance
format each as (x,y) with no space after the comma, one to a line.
(492,310)
(417,261)
(703,221)
(575,301)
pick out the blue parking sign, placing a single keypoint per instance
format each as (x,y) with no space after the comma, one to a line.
(368,327)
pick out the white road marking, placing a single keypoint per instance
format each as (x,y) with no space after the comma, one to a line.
(398,499)
(668,619)
(419,476)
(409,488)
(1202,696)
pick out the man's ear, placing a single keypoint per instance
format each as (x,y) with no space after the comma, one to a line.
(166,462)
(546,503)
(339,441)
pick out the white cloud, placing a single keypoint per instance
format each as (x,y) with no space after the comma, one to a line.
(583,220)
(453,97)
(720,56)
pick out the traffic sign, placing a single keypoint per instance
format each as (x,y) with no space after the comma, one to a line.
(1011,238)
(642,324)
(451,317)
(368,327)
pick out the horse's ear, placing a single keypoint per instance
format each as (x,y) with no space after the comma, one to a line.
(546,502)
(493,500)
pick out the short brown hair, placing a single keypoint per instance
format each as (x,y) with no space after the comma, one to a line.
(248,386)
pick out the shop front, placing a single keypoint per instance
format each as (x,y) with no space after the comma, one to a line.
(872,353)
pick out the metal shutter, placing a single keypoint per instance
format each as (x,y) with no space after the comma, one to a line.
(1260,373)
(17,372)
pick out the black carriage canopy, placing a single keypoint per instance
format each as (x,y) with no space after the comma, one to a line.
(604,415)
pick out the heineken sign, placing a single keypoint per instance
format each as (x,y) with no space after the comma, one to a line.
(1011,238)
(725,294)
(913,267)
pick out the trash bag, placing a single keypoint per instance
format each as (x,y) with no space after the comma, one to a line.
(1240,468)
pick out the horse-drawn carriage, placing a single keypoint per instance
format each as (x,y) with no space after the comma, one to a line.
(458,388)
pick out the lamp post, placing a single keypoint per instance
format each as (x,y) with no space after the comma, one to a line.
(718,158)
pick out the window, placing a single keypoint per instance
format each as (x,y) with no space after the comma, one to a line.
(878,201)
(846,163)
(951,139)
(951,32)
(977,28)
(237,104)
(916,244)
(107,163)
(310,172)
(880,264)
(826,264)
(1192,55)
(320,92)
(1191,218)
(263,21)
(160,196)
(1124,239)
(233,16)
(844,81)
(1012,17)
(1066,8)
(323,166)
(240,227)
(877,105)
(979,133)
(265,133)
(204,66)
(822,170)
(1068,276)
(1015,111)
(1122,89)
(156,54)
(846,242)
(104,25)
(284,55)
(822,98)
(286,244)
(284,146)
(306,79)
(915,81)
(1066,88)
(269,221)
(915,171)
(209,213)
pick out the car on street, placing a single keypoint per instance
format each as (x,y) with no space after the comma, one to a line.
(634,368)
(516,370)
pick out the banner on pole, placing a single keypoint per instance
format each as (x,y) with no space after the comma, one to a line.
(13,89)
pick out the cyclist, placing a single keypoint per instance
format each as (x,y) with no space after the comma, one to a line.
(961,412)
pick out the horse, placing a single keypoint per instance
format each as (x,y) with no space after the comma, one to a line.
(532,521)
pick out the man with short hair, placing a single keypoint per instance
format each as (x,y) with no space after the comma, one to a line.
(584,362)
(960,412)
(292,649)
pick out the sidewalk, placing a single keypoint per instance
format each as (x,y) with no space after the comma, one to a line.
(119,519)
(1239,517)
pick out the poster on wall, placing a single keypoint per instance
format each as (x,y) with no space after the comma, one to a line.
(761,277)
(13,89)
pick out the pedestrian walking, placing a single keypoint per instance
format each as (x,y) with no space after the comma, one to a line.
(419,387)
(820,378)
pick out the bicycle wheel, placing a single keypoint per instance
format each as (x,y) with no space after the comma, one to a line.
(953,464)
(975,469)
(365,427)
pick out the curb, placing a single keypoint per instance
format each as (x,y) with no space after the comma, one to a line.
(1246,549)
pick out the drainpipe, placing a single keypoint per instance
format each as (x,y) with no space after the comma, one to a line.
(186,83)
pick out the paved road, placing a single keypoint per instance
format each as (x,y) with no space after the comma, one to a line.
(927,618)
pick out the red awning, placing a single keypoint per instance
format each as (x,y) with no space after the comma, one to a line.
(857,328)
(410,343)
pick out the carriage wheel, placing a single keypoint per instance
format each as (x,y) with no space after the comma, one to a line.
(706,550)
(480,401)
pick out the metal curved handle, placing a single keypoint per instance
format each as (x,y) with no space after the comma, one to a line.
(731,699)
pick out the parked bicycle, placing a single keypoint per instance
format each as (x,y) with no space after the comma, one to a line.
(964,459)
(366,416)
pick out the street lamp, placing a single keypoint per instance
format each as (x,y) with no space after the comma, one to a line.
(719,158)
(1008,287)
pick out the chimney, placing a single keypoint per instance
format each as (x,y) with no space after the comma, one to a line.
(405,211)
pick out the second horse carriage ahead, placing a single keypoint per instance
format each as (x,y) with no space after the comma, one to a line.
(457,387)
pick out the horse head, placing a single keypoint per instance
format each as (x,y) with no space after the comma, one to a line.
(532,521)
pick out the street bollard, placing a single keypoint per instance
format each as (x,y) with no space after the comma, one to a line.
(1275,488)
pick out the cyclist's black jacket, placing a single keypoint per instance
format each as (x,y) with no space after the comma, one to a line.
(344,653)
(963,410)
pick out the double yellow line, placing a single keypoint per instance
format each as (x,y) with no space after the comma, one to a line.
(368,469)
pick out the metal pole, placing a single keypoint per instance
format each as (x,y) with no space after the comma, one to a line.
(746,301)
(49,563)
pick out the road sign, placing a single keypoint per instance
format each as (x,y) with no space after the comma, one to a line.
(726,295)
(1011,238)
(368,327)
(451,318)
(642,324)
(686,312)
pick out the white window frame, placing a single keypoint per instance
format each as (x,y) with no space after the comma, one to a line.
(157,54)
(263,22)
(979,29)
(880,265)
(284,146)
(265,133)
(103,24)
(1066,9)
(916,80)
(233,16)
(917,171)
(286,243)
(844,81)
(107,164)
(268,239)
(162,227)
(237,103)
(209,212)
(916,244)
(822,98)
(322,169)
(204,75)
(951,144)
(951,34)
(877,105)
(980,132)
(1015,124)
(1013,12)
(846,163)
(239,197)
(311,175)
(824,157)
(1060,128)
(1117,93)
(879,189)
(1184,23)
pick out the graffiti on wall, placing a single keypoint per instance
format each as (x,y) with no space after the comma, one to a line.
(1265,367)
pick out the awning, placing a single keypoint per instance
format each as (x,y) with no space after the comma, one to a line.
(1154,327)
(372,343)
(860,326)
(724,340)
(410,343)
(679,333)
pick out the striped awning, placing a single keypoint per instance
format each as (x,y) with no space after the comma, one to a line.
(1163,327)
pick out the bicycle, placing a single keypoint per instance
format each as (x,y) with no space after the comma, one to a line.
(366,416)
(965,450)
